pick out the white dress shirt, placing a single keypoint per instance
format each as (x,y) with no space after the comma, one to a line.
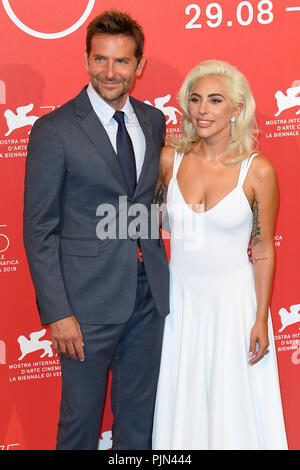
(105,113)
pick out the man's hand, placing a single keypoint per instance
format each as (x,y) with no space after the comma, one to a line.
(67,338)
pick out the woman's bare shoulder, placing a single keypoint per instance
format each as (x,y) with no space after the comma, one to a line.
(262,169)
(167,159)
(167,154)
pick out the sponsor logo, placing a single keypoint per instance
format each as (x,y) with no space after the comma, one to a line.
(169,111)
(105,441)
(289,317)
(289,342)
(17,124)
(288,108)
(20,119)
(33,344)
(41,35)
(288,101)
(44,365)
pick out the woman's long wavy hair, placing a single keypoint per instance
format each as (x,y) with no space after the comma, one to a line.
(243,138)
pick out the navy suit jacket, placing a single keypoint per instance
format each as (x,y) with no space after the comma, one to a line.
(71,170)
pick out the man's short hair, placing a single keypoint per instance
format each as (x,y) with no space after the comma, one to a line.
(116,22)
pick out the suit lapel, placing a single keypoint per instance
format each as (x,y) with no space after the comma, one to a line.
(93,128)
(146,126)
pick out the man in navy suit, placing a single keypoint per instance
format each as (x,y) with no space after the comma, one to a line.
(105,298)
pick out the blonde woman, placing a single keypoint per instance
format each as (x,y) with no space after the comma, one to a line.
(218,385)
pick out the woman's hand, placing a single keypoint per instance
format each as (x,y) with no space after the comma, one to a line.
(259,335)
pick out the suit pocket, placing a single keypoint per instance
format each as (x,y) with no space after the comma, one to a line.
(73,247)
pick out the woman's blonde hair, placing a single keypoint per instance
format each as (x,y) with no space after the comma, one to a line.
(244,130)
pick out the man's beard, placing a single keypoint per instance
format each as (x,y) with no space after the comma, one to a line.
(112,95)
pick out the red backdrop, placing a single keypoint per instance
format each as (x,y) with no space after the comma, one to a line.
(41,67)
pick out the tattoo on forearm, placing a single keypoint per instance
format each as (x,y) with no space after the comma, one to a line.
(256,226)
(259,259)
(159,196)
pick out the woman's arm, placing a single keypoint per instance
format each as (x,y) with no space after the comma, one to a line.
(164,177)
(264,208)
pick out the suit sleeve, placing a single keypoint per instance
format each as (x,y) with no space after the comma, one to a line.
(160,123)
(163,131)
(44,187)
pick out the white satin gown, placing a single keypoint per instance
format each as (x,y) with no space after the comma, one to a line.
(208,395)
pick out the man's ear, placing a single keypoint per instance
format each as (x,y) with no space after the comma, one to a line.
(140,67)
(86,58)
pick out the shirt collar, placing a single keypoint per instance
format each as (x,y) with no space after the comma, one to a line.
(104,111)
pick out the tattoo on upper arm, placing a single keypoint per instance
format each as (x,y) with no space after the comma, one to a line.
(159,197)
(256,224)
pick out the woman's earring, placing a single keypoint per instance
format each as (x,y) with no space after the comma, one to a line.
(233,125)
